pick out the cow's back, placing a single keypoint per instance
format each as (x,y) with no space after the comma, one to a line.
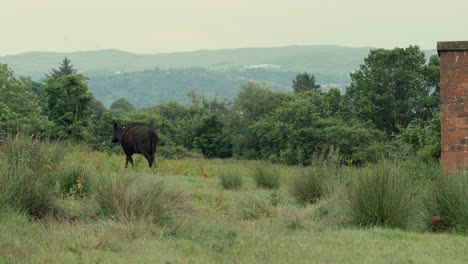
(139,139)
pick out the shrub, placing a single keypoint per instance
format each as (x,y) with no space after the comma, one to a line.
(230,178)
(382,195)
(25,182)
(266,177)
(451,203)
(310,186)
(130,198)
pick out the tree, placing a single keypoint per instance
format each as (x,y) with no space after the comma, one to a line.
(68,104)
(209,138)
(98,109)
(19,107)
(66,68)
(121,107)
(304,82)
(392,88)
(306,124)
(253,102)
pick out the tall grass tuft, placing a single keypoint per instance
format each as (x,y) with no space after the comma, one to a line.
(230,178)
(310,186)
(255,208)
(25,182)
(451,203)
(382,195)
(73,181)
(132,198)
(266,177)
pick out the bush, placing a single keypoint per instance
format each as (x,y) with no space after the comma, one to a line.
(25,182)
(310,186)
(130,198)
(266,177)
(230,178)
(451,203)
(382,195)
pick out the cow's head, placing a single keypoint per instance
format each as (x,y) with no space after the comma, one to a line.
(117,136)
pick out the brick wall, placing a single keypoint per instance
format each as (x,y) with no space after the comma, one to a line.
(454,104)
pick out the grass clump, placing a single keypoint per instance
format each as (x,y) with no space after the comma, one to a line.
(266,177)
(382,195)
(310,186)
(74,181)
(130,198)
(451,203)
(255,208)
(25,182)
(230,178)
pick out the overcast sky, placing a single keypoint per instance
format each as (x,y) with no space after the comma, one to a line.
(156,26)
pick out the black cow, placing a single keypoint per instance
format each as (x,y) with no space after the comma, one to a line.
(136,139)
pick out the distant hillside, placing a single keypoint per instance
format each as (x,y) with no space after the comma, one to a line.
(150,87)
(148,79)
(329,60)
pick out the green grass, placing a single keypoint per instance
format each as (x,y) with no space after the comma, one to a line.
(265,176)
(451,202)
(310,186)
(383,195)
(230,178)
(136,198)
(179,214)
(25,181)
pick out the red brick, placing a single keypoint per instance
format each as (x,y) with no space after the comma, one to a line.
(456,135)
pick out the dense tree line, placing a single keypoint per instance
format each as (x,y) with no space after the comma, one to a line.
(391,106)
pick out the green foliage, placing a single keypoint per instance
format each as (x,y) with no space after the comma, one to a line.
(121,107)
(131,198)
(25,181)
(19,106)
(451,202)
(308,122)
(66,68)
(266,177)
(98,109)
(392,88)
(383,195)
(69,105)
(252,103)
(423,138)
(304,82)
(230,178)
(208,136)
(100,132)
(310,186)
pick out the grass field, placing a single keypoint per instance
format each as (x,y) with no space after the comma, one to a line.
(180,213)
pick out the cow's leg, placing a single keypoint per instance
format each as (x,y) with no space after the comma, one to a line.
(150,159)
(128,158)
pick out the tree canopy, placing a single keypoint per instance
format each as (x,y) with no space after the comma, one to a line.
(66,68)
(392,88)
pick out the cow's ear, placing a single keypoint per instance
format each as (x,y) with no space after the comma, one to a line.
(115,126)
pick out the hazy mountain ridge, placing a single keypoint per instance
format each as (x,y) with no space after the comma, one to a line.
(147,79)
(313,59)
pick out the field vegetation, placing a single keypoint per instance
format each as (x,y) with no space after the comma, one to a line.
(65,203)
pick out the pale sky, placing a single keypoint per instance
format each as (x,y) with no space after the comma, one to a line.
(156,26)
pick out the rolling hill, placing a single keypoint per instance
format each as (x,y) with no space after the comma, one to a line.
(146,79)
